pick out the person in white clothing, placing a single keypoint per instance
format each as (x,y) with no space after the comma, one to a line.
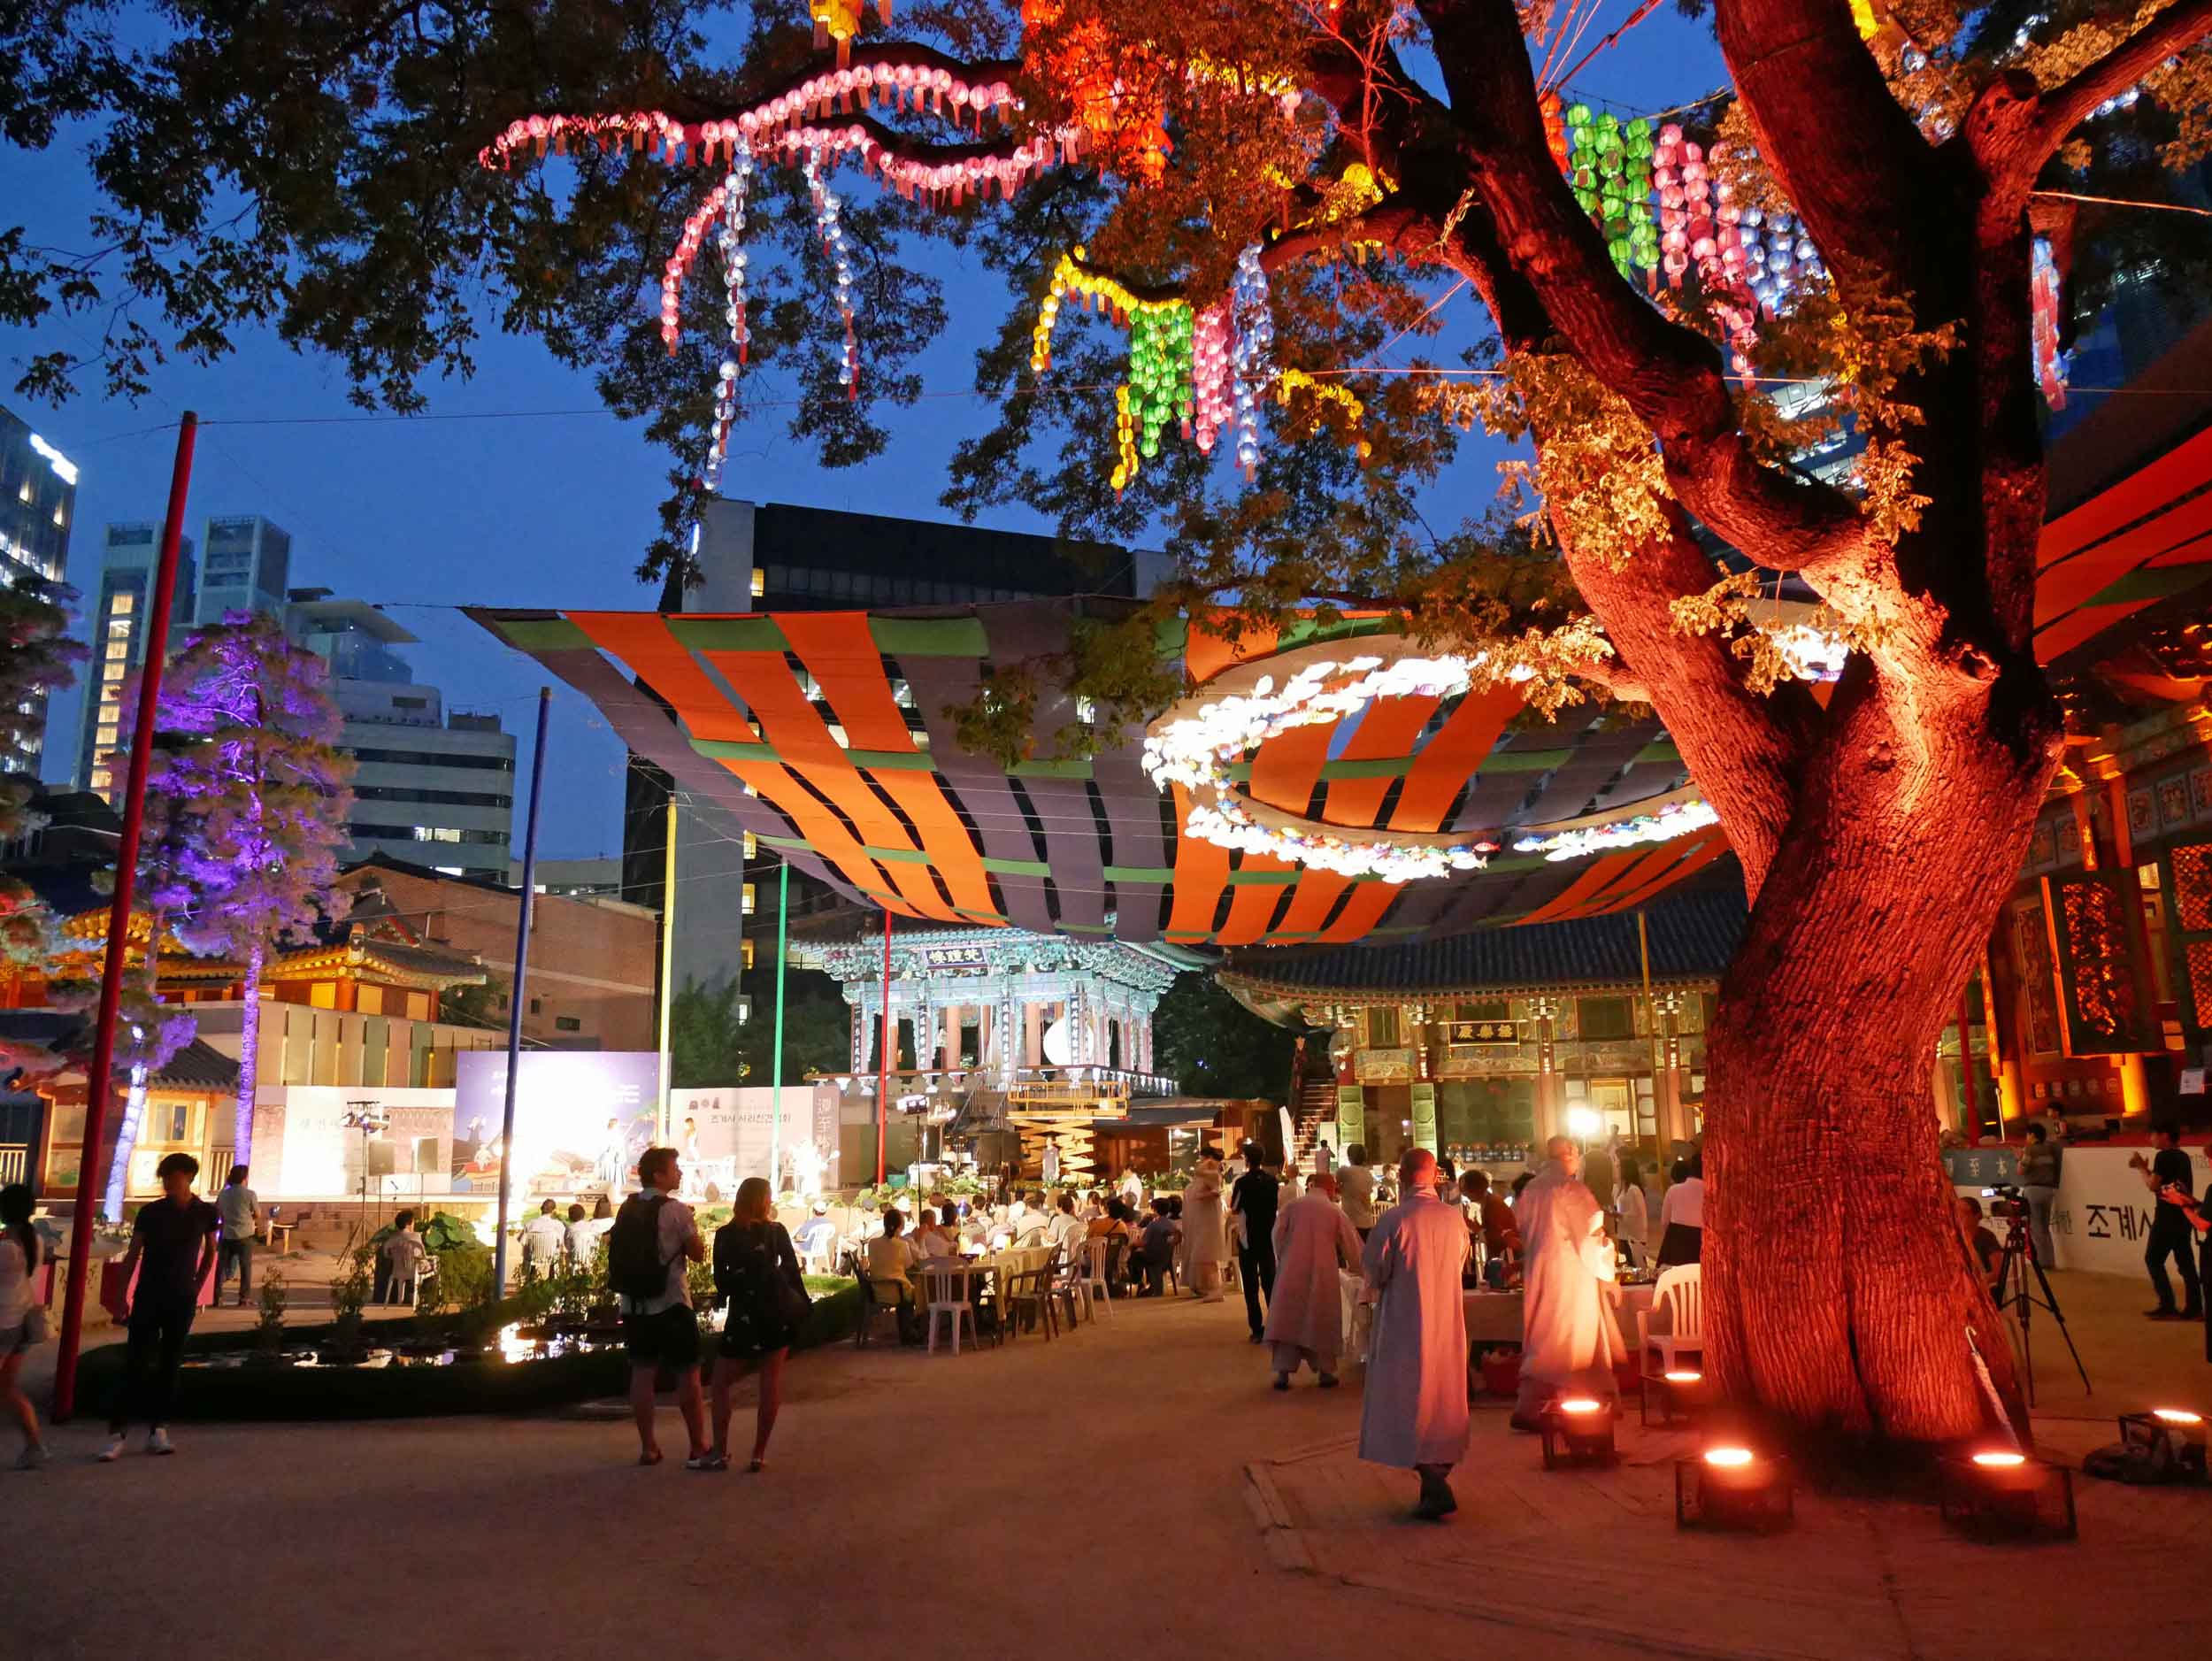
(542,1238)
(20,1251)
(1633,1213)
(1570,1341)
(1356,1183)
(1682,1213)
(1066,1228)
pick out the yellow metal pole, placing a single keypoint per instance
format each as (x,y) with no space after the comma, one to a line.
(668,968)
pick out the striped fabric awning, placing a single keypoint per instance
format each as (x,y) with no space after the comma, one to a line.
(2136,542)
(825,734)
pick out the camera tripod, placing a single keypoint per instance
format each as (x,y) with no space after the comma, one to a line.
(2013,1291)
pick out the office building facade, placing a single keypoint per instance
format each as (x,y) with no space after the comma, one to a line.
(38,505)
(431,787)
(245,562)
(118,620)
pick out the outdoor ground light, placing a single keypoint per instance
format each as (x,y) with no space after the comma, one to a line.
(1730,1486)
(1677,1393)
(1577,1430)
(2003,1491)
(2166,1444)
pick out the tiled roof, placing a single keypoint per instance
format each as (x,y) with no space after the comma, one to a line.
(1692,937)
(199,1066)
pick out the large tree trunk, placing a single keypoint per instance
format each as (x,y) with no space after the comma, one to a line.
(1840,1295)
(249,1049)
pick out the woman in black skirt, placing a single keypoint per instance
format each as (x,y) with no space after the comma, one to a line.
(756,1277)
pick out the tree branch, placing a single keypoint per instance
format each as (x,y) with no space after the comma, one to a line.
(1745,749)
(1831,130)
(1670,375)
(2067,106)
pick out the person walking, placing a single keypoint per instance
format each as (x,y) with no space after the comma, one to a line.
(2038,1186)
(1356,1182)
(1414,1413)
(2167,1179)
(650,1250)
(1570,1340)
(1633,1211)
(765,1306)
(22,1316)
(241,1212)
(1205,1232)
(1313,1242)
(1254,1201)
(172,1252)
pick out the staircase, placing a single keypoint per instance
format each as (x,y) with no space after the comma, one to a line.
(1314,1104)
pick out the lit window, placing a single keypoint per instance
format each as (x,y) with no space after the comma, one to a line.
(117,649)
(112,691)
(752,845)
(122,604)
(749,900)
(745,952)
(837,736)
(106,736)
(59,520)
(760,582)
(24,494)
(120,629)
(100,777)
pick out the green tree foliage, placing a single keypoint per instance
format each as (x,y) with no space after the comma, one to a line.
(711,1046)
(1211,1045)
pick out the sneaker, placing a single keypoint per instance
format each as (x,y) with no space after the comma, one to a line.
(159,1442)
(34,1457)
(113,1451)
(709,1461)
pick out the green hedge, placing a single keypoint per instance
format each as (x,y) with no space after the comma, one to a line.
(482,1386)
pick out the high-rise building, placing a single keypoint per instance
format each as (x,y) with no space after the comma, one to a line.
(38,504)
(431,787)
(118,634)
(245,562)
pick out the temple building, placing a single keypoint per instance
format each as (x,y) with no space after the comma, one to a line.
(1496,1039)
(999,1030)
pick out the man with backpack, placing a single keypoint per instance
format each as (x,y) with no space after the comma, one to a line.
(650,1250)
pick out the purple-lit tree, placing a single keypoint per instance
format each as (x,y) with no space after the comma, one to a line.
(252,799)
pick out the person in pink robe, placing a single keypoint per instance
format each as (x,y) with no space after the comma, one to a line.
(1570,1341)
(1305,1316)
(1413,1414)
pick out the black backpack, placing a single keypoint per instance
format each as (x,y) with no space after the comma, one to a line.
(635,1267)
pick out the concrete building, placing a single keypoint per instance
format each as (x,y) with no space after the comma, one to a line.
(592,959)
(38,504)
(431,786)
(245,562)
(118,616)
(598,874)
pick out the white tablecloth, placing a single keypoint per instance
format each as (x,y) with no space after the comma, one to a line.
(1496,1316)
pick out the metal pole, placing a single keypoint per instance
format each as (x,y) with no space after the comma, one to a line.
(515,1005)
(883,1081)
(113,965)
(668,970)
(1658,1047)
(775,1056)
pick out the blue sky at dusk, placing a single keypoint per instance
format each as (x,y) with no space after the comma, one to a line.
(540,509)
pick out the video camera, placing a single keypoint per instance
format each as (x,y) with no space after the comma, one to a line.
(2006,1201)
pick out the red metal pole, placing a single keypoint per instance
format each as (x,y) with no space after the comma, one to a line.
(1966,1074)
(883,1081)
(113,965)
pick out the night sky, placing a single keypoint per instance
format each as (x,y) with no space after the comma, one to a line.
(542,509)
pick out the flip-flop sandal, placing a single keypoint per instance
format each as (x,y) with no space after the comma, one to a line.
(757,1467)
(651,1458)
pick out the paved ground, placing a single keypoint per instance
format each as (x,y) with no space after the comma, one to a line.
(1132,1485)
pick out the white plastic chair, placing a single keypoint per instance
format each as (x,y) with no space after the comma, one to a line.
(945,1292)
(1682,1290)
(1101,1294)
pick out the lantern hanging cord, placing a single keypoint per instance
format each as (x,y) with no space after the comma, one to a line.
(1634,18)
(2123,201)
